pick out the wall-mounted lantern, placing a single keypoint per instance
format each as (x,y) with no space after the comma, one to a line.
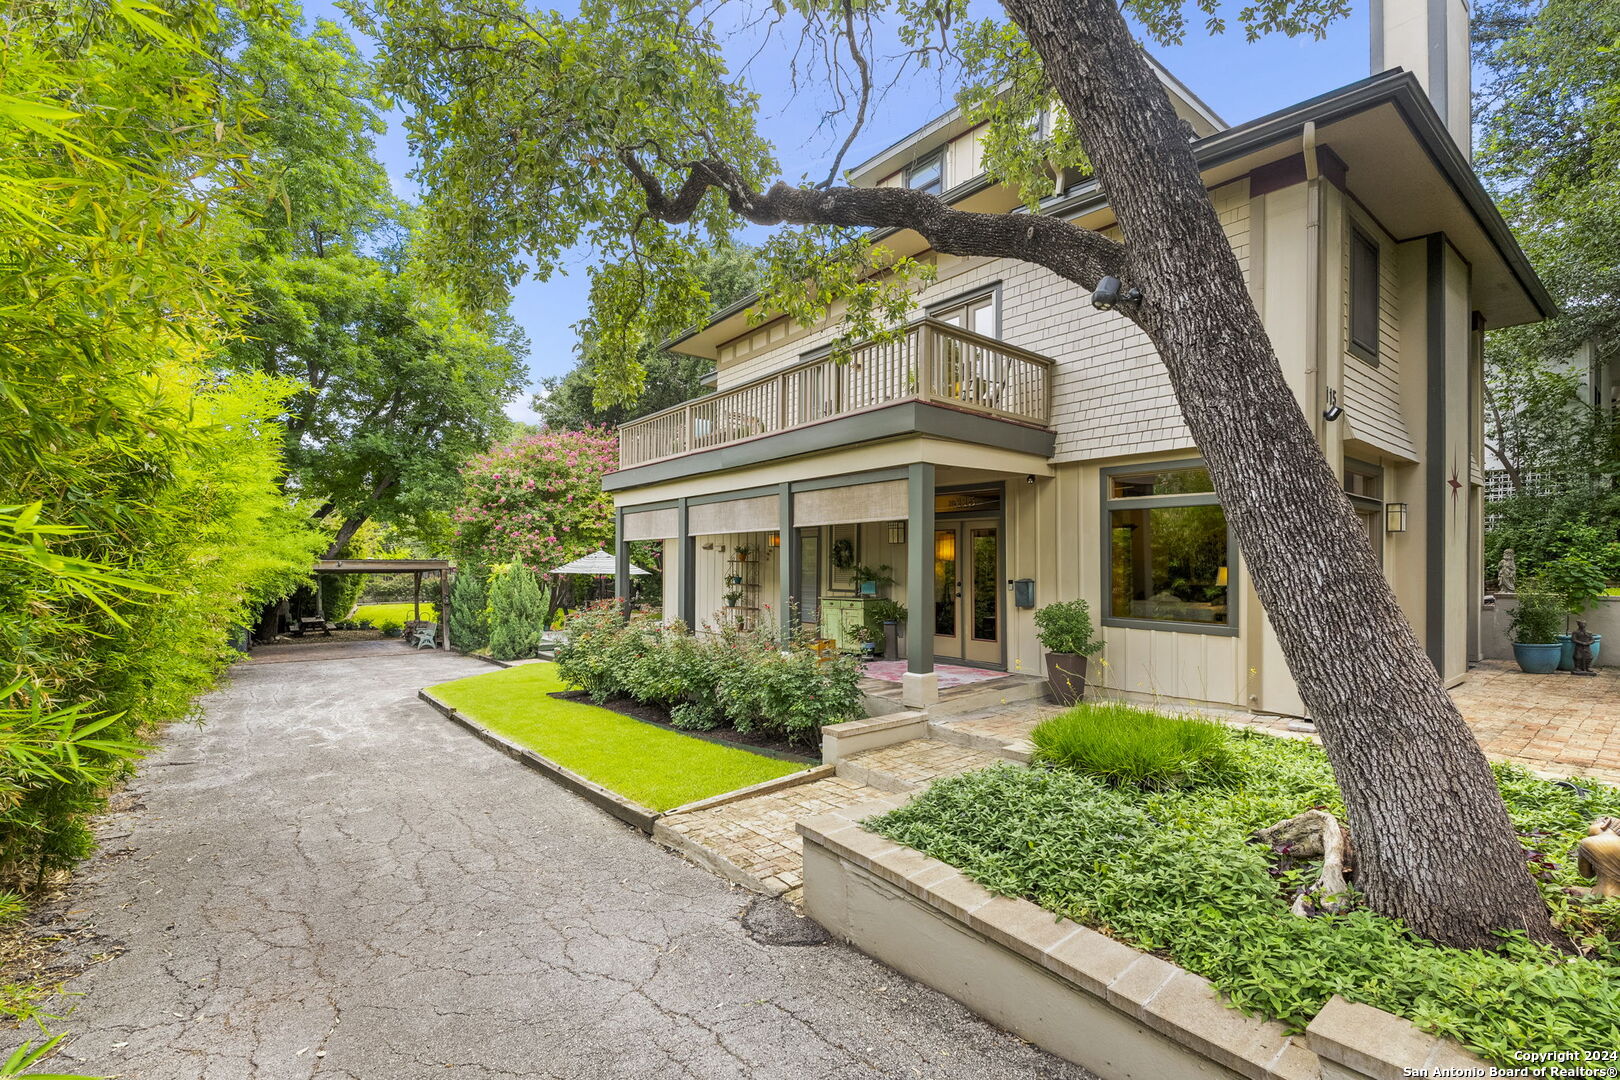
(1395,517)
(897,532)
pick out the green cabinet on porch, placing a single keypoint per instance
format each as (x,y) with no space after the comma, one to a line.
(842,619)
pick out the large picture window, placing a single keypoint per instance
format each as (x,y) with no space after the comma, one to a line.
(1169,552)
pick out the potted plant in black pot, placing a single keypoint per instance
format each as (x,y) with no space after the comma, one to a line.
(1533,626)
(884,618)
(1067,634)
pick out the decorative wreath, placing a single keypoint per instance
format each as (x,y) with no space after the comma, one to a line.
(843,554)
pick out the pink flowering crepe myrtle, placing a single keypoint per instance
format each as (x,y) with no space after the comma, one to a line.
(538,499)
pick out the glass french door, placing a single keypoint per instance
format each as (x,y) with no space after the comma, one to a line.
(967,596)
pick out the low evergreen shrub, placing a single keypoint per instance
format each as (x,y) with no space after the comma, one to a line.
(469,609)
(517,613)
(1121,744)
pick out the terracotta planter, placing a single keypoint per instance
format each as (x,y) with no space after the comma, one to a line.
(1066,676)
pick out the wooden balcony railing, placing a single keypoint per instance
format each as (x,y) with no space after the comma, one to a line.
(932,362)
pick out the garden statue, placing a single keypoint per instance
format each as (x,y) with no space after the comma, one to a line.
(1598,856)
(1507,573)
(1583,638)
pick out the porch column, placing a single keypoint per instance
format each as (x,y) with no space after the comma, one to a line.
(787,566)
(919,686)
(686,556)
(621,562)
(444,609)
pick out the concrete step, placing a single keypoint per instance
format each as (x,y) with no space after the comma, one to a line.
(911,765)
(976,697)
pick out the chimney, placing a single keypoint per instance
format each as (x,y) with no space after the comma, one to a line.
(1429,38)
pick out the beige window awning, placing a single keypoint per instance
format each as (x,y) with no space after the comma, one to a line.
(652,524)
(759,514)
(882,501)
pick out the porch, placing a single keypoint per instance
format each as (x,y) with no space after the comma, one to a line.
(921,544)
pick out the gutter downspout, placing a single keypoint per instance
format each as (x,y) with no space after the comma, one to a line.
(1313,282)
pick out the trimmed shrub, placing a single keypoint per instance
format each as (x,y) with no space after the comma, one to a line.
(742,678)
(517,614)
(1123,745)
(469,610)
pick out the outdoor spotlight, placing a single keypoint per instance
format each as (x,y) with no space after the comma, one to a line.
(1333,411)
(1030,479)
(1109,294)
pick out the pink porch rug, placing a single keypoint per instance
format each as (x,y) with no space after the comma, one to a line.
(949,674)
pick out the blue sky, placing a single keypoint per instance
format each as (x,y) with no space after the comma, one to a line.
(1238,80)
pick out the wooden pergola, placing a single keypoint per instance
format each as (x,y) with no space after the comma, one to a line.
(416,568)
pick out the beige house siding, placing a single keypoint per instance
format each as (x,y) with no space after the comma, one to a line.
(1372,392)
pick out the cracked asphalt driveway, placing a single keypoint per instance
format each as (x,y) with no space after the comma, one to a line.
(329,880)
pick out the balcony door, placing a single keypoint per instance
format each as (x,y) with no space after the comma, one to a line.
(967,600)
(965,372)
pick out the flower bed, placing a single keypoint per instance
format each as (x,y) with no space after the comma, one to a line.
(1174,871)
(744,679)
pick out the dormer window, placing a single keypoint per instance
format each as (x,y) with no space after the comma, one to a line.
(928,174)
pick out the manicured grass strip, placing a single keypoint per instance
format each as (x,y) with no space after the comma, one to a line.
(402,612)
(657,768)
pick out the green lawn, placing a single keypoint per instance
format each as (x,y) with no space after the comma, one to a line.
(403,612)
(655,767)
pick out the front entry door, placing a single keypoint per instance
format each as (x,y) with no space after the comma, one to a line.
(967,596)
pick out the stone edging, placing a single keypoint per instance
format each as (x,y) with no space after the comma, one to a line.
(1146,1015)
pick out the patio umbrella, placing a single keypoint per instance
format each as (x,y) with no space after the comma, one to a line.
(597,564)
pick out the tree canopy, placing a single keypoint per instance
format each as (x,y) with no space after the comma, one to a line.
(569,402)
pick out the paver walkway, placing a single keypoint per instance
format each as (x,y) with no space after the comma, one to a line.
(1554,723)
(328,880)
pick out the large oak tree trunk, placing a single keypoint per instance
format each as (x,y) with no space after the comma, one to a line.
(1434,843)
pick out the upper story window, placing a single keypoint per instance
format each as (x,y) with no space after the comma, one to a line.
(1364,314)
(928,174)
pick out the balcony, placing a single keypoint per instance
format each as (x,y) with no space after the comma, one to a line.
(933,363)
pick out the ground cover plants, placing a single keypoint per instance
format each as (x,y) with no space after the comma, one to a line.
(654,766)
(748,680)
(1173,870)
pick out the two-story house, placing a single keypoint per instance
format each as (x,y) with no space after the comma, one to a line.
(1019,446)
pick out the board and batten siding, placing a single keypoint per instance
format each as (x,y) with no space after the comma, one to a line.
(1372,392)
(1159,665)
